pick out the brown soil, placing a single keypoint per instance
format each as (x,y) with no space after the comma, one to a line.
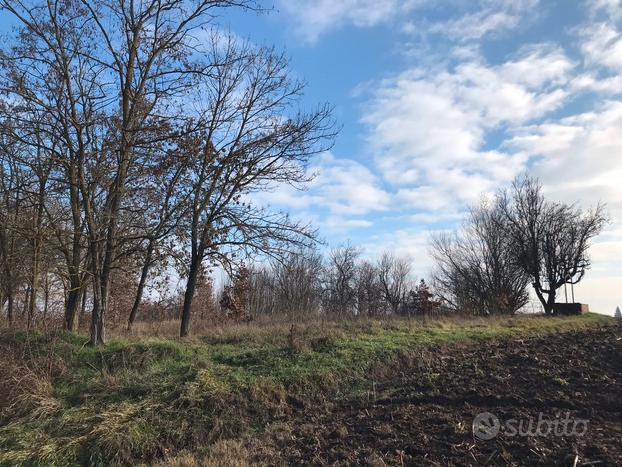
(420,410)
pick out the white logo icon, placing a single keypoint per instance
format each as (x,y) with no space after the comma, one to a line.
(486,426)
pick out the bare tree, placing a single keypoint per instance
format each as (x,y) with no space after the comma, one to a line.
(297,283)
(262,298)
(250,137)
(13,251)
(111,79)
(475,269)
(393,275)
(149,51)
(548,240)
(340,280)
(370,296)
(291,286)
(56,105)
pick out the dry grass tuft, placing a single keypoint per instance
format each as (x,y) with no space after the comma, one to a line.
(223,453)
(26,381)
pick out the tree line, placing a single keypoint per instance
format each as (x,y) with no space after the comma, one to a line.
(133,135)
(341,284)
(305,284)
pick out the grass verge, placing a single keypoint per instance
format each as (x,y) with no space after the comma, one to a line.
(140,400)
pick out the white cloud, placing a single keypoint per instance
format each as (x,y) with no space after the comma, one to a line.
(466,25)
(339,224)
(572,144)
(481,18)
(344,188)
(602,45)
(611,8)
(413,244)
(590,82)
(347,187)
(580,156)
(538,65)
(314,17)
(476,25)
(428,131)
(428,218)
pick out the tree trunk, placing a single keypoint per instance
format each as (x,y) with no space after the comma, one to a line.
(46,296)
(543,300)
(98,310)
(83,305)
(550,303)
(75,281)
(35,286)
(189,295)
(36,251)
(9,310)
(103,309)
(71,309)
(141,286)
(26,302)
(109,249)
(95,313)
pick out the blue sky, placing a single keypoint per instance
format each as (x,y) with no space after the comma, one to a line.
(444,102)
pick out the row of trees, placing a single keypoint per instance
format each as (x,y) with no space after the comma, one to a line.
(303,284)
(340,285)
(517,239)
(132,138)
(505,245)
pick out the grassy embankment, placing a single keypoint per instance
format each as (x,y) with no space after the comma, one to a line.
(65,403)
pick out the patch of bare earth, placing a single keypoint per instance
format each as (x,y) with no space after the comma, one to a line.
(420,410)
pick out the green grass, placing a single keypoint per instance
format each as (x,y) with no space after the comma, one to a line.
(138,400)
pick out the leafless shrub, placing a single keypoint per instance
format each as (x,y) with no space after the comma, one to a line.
(475,270)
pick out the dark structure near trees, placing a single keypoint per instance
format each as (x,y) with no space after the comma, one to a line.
(570,308)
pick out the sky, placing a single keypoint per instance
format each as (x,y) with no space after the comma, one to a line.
(442,103)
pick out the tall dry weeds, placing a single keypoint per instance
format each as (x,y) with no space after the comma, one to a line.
(26,380)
